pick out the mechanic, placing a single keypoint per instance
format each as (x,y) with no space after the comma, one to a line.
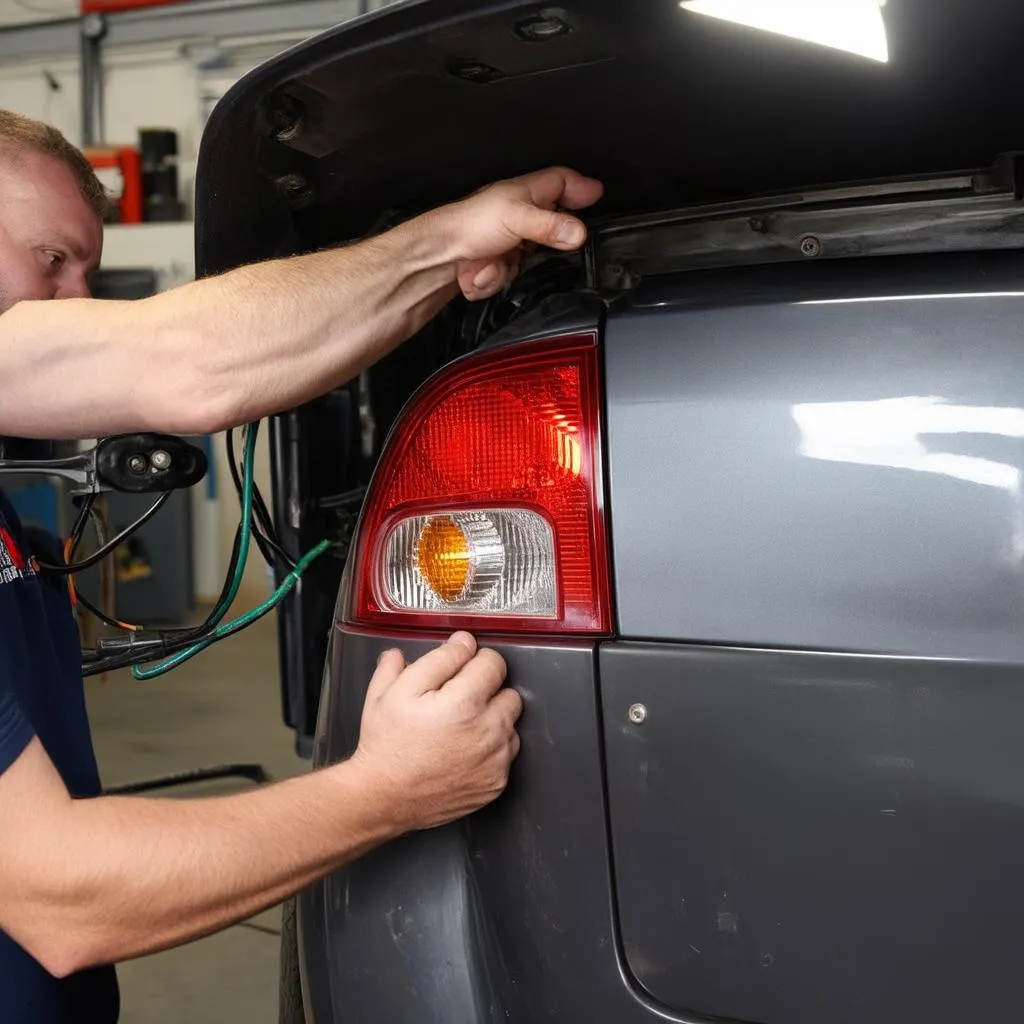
(85,883)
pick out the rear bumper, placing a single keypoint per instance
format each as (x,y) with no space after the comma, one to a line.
(773,816)
(504,917)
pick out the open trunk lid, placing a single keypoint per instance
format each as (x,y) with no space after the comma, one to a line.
(815,818)
(423,101)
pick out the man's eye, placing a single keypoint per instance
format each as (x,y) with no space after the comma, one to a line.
(54,260)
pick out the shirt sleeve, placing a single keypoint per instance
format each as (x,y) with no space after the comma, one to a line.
(15,730)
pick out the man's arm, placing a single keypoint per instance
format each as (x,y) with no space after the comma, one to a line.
(267,337)
(84,882)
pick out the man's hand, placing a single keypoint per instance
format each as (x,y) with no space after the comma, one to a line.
(489,232)
(438,737)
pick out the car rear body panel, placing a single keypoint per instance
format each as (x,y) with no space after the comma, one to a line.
(803,837)
(816,819)
(504,917)
(823,457)
(814,501)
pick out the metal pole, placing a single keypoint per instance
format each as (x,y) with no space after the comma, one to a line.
(93,29)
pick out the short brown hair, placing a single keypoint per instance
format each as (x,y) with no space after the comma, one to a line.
(18,132)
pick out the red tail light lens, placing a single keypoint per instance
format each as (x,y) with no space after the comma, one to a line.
(486,511)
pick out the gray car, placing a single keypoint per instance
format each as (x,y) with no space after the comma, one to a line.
(738,492)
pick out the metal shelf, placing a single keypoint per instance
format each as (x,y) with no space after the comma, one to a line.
(200,19)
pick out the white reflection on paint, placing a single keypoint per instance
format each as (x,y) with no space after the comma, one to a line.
(860,300)
(889,433)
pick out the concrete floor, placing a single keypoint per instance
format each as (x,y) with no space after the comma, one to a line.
(222,706)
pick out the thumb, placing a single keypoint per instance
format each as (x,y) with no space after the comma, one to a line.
(390,666)
(545,227)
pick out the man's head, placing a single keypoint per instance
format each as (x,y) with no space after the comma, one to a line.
(51,214)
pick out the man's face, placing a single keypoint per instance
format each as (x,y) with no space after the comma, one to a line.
(50,239)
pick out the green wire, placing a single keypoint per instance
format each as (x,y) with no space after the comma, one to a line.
(235,625)
(245,539)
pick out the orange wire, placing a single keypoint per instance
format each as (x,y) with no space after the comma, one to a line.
(74,594)
(71,579)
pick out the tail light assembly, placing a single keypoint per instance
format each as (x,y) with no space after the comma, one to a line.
(486,510)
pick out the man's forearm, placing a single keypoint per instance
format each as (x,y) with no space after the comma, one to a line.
(142,875)
(220,351)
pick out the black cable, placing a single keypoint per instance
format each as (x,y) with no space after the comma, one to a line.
(166,644)
(114,662)
(263,531)
(96,613)
(115,542)
(261,513)
(348,499)
(236,550)
(84,512)
(172,644)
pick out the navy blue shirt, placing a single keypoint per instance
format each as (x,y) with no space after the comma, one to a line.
(41,694)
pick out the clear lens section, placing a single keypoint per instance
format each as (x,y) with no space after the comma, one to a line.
(495,561)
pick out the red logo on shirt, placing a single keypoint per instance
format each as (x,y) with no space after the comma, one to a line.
(13,563)
(13,552)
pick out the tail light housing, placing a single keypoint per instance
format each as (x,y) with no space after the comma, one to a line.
(486,510)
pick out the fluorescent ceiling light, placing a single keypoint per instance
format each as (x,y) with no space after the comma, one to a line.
(856,26)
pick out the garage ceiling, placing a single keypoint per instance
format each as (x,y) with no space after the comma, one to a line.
(20,12)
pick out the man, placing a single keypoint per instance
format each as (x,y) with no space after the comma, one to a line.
(88,882)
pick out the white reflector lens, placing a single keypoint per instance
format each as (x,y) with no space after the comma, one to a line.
(495,561)
(856,26)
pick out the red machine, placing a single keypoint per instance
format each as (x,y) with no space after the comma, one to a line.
(127,162)
(111,6)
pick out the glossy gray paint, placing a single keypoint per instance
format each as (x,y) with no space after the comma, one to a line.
(506,917)
(797,838)
(803,838)
(844,475)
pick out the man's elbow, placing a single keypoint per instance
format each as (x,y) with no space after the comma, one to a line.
(201,414)
(63,952)
(65,935)
(194,408)
(62,959)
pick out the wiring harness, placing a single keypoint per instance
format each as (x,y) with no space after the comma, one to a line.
(150,653)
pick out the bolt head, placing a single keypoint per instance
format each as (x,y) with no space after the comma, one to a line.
(160,459)
(290,132)
(547,25)
(94,26)
(137,465)
(476,72)
(638,714)
(810,246)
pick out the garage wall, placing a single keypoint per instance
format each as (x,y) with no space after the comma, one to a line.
(160,87)
(174,84)
(23,12)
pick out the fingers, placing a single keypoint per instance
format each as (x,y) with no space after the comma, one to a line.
(480,679)
(433,670)
(390,666)
(508,705)
(480,279)
(562,186)
(483,280)
(545,227)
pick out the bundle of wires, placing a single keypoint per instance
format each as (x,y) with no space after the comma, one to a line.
(157,653)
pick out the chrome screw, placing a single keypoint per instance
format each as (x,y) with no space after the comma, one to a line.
(810,247)
(160,459)
(137,465)
(638,714)
(290,132)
